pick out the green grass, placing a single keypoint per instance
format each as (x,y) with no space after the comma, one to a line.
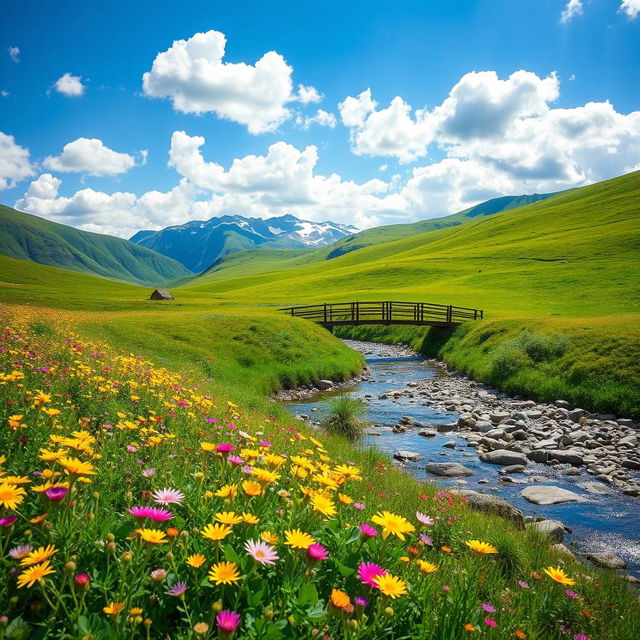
(33,238)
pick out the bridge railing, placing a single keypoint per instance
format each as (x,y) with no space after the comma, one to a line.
(384,312)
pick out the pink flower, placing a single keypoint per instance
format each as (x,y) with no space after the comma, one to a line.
(158,575)
(446,587)
(178,589)
(227,621)
(316,552)
(571,594)
(490,622)
(360,602)
(149,473)
(423,519)
(7,521)
(523,584)
(359,506)
(168,496)
(261,552)
(488,608)
(235,460)
(82,580)
(426,540)
(154,513)
(367,531)
(225,448)
(368,571)
(265,443)
(56,494)
(580,636)
(17,553)
(131,448)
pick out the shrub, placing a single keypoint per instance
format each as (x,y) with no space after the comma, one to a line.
(343,416)
(507,361)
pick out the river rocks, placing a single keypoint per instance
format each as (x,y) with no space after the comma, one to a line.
(552,528)
(596,487)
(407,456)
(608,560)
(565,551)
(451,444)
(512,468)
(492,504)
(448,469)
(504,456)
(548,494)
(576,414)
(325,385)
(428,433)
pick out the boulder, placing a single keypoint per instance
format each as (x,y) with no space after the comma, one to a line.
(548,494)
(492,504)
(608,560)
(576,414)
(428,433)
(596,487)
(504,456)
(407,456)
(565,551)
(325,385)
(450,444)
(512,468)
(553,528)
(448,469)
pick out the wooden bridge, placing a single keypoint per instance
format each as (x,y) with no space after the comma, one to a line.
(411,313)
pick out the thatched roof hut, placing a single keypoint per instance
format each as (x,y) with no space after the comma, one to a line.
(161,294)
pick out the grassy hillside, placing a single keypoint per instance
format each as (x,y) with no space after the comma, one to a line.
(33,238)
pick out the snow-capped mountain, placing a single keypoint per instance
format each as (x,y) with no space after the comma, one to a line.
(199,243)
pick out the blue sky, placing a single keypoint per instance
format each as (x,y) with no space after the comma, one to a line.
(490,98)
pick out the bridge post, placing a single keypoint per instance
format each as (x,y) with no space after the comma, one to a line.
(449,314)
(325,312)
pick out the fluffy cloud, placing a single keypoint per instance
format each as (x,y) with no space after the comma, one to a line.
(14,54)
(322,118)
(193,75)
(573,8)
(630,7)
(92,156)
(386,132)
(15,164)
(69,85)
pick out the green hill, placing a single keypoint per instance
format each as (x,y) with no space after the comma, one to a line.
(32,238)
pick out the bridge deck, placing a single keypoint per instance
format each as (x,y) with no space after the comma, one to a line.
(387,312)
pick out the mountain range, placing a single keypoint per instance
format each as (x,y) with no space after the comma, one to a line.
(200,243)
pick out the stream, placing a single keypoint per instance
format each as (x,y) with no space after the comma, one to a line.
(604,524)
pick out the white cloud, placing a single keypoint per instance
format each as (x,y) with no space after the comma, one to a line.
(308,94)
(4,93)
(193,75)
(322,118)
(573,8)
(14,54)
(92,156)
(15,164)
(631,8)
(386,132)
(69,85)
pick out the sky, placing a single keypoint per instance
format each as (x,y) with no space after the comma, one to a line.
(119,116)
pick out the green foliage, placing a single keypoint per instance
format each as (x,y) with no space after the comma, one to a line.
(343,416)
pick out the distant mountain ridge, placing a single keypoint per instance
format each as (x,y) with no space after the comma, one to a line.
(29,237)
(199,243)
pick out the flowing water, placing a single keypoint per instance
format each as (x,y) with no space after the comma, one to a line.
(608,523)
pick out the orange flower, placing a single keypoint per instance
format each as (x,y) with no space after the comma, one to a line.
(469,627)
(519,634)
(339,599)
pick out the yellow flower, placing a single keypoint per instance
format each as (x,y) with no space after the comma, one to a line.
(393,524)
(38,555)
(224,573)
(326,480)
(344,498)
(196,560)
(323,505)
(73,466)
(274,460)
(297,539)
(207,446)
(228,491)
(480,547)
(390,585)
(51,456)
(249,518)
(269,537)
(265,476)
(252,488)
(11,496)
(38,519)
(427,567)
(228,517)
(339,599)
(135,611)
(34,574)
(114,608)
(349,472)
(152,536)
(15,480)
(52,413)
(557,574)
(216,532)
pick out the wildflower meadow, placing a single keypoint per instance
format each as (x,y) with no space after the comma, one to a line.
(135,503)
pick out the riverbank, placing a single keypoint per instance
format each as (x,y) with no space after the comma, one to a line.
(432,419)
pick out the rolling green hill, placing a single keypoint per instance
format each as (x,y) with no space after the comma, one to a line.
(32,238)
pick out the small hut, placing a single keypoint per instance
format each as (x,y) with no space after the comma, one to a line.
(161,294)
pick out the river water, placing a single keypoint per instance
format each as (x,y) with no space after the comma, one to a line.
(608,523)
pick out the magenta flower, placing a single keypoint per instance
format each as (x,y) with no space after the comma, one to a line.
(367,531)
(228,621)
(488,608)
(154,513)
(368,571)
(317,552)
(178,589)
(17,553)
(523,584)
(360,602)
(82,580)
(424,519)
(168,496)
(7,521)
(265,443)
(490,622)
(225,448)
(56,494)
(580,636)
(261,552)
